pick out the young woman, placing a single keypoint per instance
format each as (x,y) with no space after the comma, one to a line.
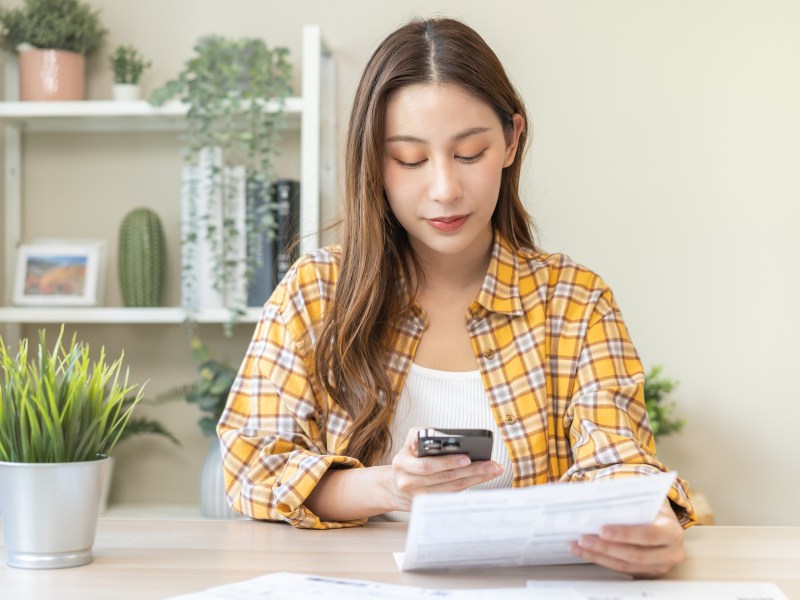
(437,310)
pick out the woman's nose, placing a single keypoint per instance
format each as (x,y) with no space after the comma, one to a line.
(445,184)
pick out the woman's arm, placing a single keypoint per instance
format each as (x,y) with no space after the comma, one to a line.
(609,431)
(349,494)
(274,452)
(611,437)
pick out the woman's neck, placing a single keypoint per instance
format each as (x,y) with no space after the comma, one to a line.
(463,271)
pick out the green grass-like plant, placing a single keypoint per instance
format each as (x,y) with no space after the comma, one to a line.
(142,425)
(59,406)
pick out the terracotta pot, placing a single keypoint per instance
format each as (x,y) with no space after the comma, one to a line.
(51,75)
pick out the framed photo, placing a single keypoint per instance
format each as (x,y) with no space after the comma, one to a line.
(59,273)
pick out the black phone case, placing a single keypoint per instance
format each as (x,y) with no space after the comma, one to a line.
(476,443)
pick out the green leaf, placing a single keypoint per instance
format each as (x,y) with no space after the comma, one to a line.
(147,425)
(61,406)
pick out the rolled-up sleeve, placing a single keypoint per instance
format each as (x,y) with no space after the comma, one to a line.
(609,430)
(274,452)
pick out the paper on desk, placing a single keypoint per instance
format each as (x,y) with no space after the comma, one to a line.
(295,586)
(664,590)
(528,526)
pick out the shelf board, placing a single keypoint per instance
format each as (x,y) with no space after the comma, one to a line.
(113,116)
(121,316)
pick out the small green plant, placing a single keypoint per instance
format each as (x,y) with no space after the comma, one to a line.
(235,92)
(140,425)
(59,406)
(210,393)
(52,24)
(128,64)
(656,390)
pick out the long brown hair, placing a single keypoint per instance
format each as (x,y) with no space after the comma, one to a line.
(357,333)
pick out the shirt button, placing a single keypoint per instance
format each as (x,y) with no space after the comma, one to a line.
(488,354)
(509,418)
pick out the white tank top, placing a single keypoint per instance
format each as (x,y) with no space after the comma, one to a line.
(446,400)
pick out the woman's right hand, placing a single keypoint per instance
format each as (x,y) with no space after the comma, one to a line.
(410,475)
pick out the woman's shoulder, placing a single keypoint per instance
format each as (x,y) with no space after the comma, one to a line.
(322,263)
(557,277)
(555,267)
(311,279)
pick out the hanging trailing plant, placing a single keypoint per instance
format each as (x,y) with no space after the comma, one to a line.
(235,91)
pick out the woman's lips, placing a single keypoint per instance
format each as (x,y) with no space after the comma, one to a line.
(448,223)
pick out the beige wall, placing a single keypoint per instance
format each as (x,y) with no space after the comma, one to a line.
(665,157)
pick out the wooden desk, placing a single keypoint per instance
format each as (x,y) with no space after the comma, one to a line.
(156,559)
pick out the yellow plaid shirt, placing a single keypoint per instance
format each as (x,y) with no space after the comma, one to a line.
(563,379)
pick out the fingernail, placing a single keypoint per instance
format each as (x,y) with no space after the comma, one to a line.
(586,542)
(463,461)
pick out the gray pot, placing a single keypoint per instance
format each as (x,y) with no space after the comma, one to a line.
(50,511)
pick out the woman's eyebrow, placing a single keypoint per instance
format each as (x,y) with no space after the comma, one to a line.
(459,136)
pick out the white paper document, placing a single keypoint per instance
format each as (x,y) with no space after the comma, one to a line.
(527,526)
(664,590)
(295,586)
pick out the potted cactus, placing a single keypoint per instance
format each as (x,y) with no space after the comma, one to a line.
(52,38)
(141,258)
(61,414)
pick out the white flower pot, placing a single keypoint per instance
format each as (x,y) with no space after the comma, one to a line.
(126,92)
(213,501)
(50,512)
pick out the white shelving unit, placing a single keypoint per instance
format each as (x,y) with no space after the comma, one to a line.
(313,114)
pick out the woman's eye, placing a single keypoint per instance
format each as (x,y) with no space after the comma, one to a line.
(470,159)
(409,165)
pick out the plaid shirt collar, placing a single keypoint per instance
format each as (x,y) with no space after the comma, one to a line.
(500,291)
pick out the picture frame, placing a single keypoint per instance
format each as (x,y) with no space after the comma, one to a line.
(59,273)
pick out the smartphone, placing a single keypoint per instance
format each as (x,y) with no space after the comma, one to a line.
(476,443)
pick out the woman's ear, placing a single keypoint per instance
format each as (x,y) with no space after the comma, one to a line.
(512,139)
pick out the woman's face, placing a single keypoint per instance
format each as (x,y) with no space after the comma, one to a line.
(443,158)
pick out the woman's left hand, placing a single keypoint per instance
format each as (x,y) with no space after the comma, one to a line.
(640,550)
